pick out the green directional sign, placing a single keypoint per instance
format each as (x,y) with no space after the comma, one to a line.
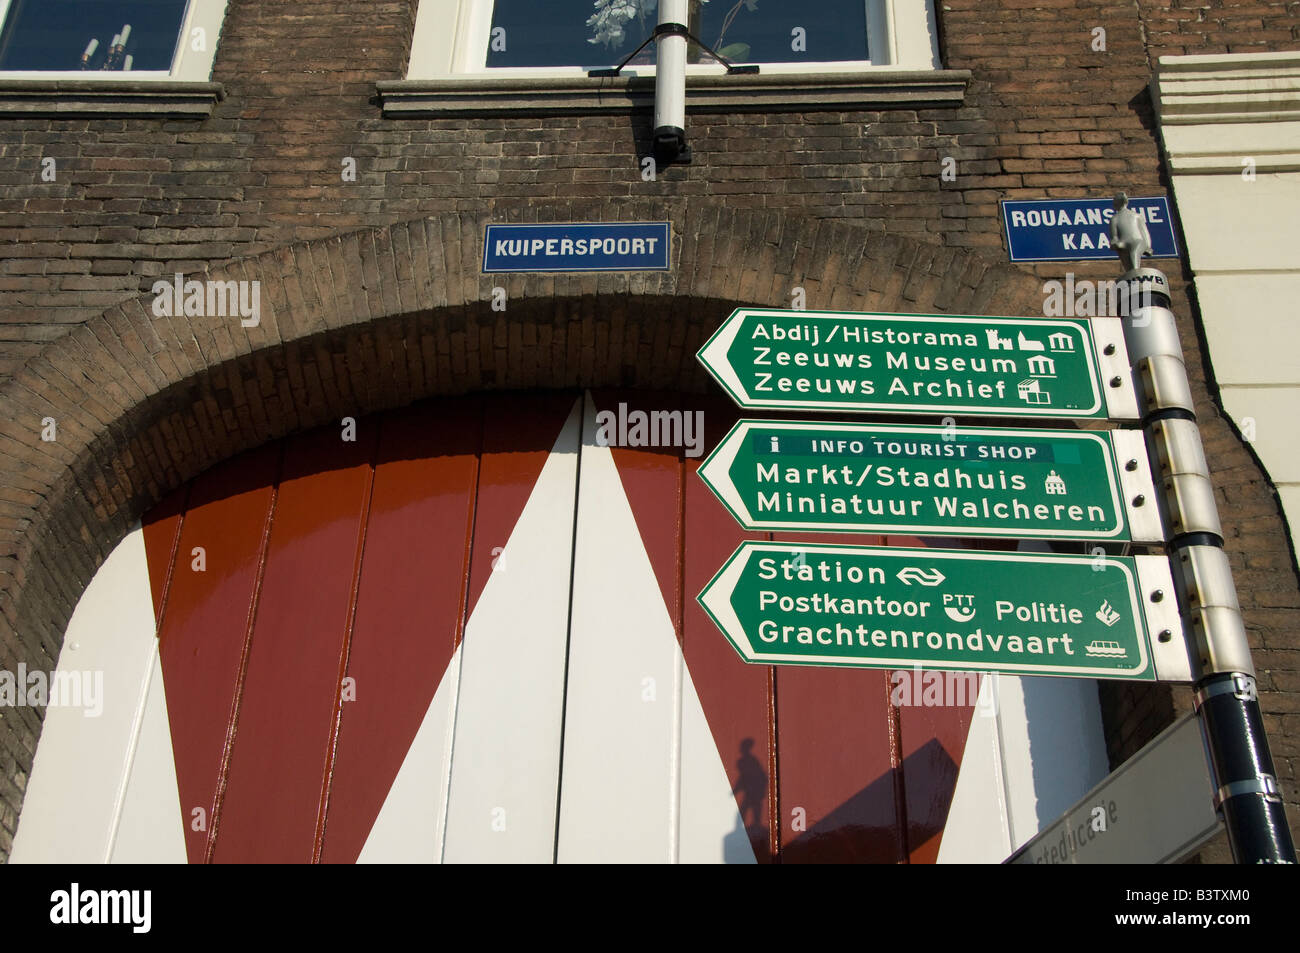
(868,607)
(935,481)
(923,364)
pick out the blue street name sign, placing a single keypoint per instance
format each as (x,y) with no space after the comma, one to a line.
(1079,229)
(587,246)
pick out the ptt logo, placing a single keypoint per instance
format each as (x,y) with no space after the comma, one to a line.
(959,608)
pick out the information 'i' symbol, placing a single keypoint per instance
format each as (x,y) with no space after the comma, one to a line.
(776,445)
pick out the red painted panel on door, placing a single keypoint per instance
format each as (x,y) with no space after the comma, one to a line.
(257,715)
(934,727)
(837,754)
(837,783)
(410,606)
(518,434)
(286,724)
(736,697)
(205,624)
(934,724)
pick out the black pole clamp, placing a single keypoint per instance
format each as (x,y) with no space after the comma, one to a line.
(1240,685)
(1264,784)
(670,29)
(675,29)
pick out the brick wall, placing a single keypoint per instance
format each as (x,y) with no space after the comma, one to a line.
(1179,27)
(135,198)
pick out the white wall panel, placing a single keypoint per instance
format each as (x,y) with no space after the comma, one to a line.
(1241,350)
(1233,224)
(712,830)
(1053,747)
(506,751)
(619,790)
(79,777)
(152,830)
(411,824)
(977,830)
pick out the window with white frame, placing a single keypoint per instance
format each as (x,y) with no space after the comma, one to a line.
(136,40)
(569,37)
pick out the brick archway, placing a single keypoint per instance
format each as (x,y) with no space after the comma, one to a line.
(379,318)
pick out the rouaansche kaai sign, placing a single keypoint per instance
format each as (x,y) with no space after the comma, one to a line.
(1079,229)
(923,364)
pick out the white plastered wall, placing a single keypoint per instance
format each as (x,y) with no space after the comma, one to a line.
(1231,131)
(103,784)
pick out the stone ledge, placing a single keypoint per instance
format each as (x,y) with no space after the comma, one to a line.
(775,92)
(1229,161)
(1216,110)
(23,98)
(1228,88)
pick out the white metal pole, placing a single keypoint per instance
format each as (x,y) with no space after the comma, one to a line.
(1247,795)
(670,82)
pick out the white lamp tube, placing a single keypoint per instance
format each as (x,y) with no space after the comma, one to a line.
(670,81)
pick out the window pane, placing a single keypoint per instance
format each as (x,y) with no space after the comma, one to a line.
(560,32)
(55,34)
(556,33)
(762,31)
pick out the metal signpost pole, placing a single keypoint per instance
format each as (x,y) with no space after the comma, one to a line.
(1246,790)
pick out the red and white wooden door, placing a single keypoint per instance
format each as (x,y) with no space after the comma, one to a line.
(470,634)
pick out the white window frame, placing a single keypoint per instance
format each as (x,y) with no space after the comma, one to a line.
(188,64)
(451,39)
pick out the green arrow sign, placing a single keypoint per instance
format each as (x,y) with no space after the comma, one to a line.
(923,364)
(866,607)
(934,481)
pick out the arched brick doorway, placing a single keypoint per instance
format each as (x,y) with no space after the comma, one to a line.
(470,634)
(378,319)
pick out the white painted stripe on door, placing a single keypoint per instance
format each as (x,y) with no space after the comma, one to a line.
(618,790)
(1054,748)
(151,828)
(712,830)
(78,782)
(977,829)
(410,825)
(643,780)
(506,747)
(1023,768)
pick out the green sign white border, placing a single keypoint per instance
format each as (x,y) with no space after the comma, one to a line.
(1116,403)
(715,599)
(725,489)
